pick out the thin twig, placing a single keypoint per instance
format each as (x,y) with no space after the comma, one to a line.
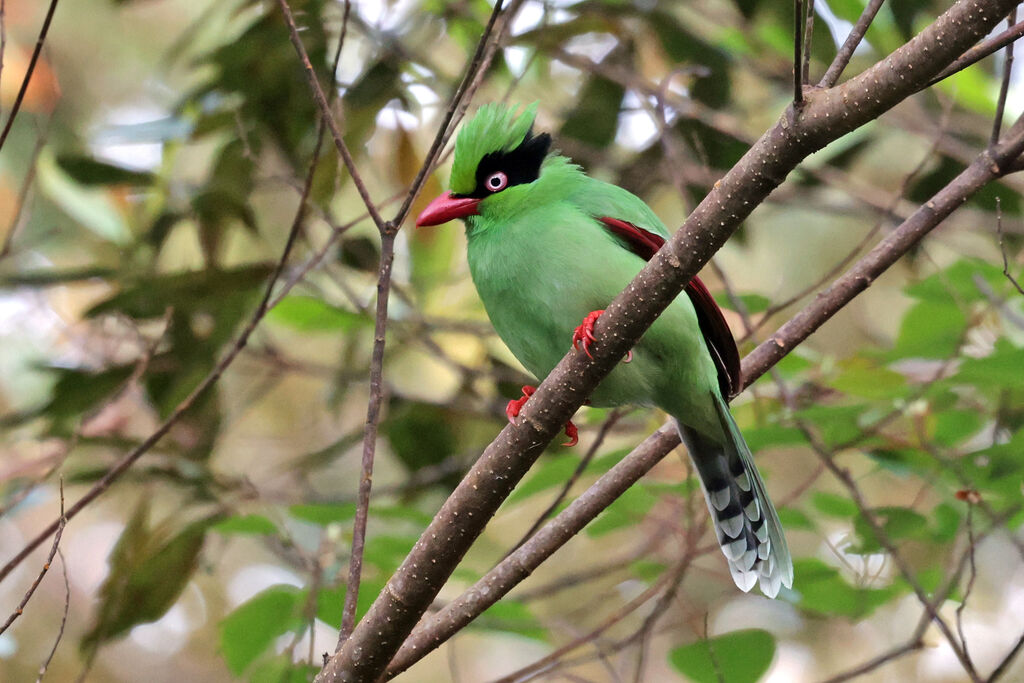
(972,574)
(845,54)
(980,51)
(328,117)
(1002,246)
(63,620)
(1002,667)
(20,609)
(481,58)
(28,72)
(798,33)
(805,77)
(1004,87)
(387,256)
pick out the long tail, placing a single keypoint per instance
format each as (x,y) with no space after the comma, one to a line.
(745,520)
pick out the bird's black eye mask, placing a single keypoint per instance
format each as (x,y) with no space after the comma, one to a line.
(499,170)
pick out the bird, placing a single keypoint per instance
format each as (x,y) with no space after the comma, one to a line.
(549,246)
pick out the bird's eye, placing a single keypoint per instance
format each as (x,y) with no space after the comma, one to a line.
(496,181)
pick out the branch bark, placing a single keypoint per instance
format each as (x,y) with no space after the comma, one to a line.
(825,116)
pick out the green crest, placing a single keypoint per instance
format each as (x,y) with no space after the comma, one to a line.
(495,128)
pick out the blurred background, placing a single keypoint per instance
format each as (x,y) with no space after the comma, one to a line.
(146,191)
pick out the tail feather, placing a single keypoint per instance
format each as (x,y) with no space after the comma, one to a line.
(746,523)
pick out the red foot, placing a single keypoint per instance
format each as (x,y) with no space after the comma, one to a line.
(584,335)
(515,405)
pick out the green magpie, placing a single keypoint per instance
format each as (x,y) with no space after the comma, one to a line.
(549,246)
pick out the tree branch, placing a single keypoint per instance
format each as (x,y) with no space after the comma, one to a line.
(825,116)
(16,107)
(845,54)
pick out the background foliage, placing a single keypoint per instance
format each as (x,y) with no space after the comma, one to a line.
(145,193)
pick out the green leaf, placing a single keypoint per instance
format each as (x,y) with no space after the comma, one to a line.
(736,657)
(554,471)
(627,510)
(834,505)
(309,314)
(93,208)
(148,571)
(930,329)
(754,303)
(595,118)
(282,670)
(245,524)
(252,627)
(823,590)
(1000,369)
(898,523)
(863,377)
(514,617)
(86,170)
(323,513)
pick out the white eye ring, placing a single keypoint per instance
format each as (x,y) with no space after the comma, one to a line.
(496,182)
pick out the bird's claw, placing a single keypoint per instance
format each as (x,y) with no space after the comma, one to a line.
(515,405)
(584,335)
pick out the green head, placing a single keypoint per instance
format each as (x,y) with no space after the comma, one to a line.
(495,150)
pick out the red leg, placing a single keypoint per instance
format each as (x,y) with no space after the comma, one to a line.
(515,405)
(584,335)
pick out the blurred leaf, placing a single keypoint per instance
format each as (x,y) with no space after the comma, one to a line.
(148,571)
(865,378)
(834,505)
(93,208)
(323,513)
(77,392)
(282,670)
(930,330)
(897,523)
(821,589)
(86,170)
(513,617)
(387,552)
(754,303)
(309,314)
(246,524)
(552,471)
(209,290)
(421,434)
(736,657)
(1001,369)
(253,626)
(595,118)
(627,510)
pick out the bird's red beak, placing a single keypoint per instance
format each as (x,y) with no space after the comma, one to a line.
(445,208)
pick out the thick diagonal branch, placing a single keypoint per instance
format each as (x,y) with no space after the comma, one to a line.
(825,116)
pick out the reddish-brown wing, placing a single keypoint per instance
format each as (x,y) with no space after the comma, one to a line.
(716,331)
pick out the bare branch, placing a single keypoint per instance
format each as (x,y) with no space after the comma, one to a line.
(16,107)
(980,51)
(328,117)
(805,72)
(799,22)
(20,609)
(1002,246)
(1004,87)
(63,619)
(845,54)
